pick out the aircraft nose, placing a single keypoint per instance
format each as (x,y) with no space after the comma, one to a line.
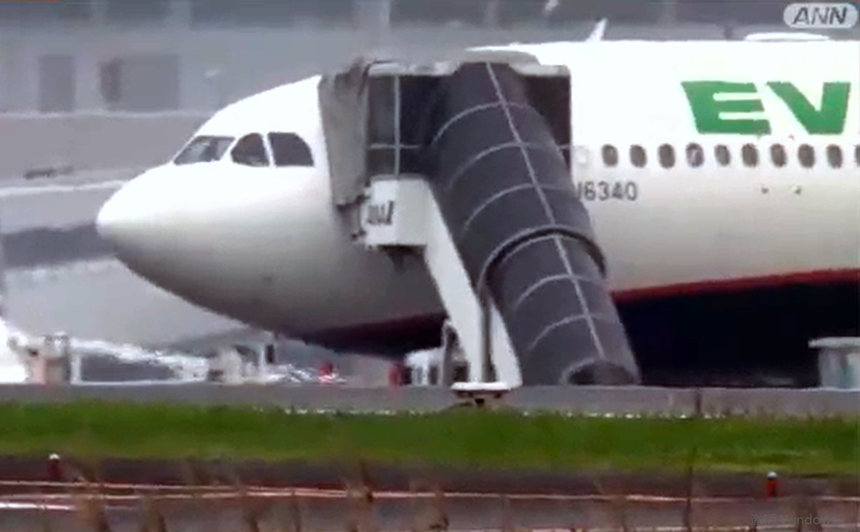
(121,218)
(135,220)
(111,217)
(150,226)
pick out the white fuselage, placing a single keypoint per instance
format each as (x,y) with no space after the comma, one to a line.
(266,246)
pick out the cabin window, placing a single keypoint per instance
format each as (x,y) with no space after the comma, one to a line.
(637,156)
(778,155)
(290,150)
(250,151)
(666,154)
(722,154)
(695,155)
(806,155)
(203,149)
(834,156)
(610,155)
(857,155)
(749,154)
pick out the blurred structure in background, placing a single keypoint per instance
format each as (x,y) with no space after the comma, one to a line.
(171,55)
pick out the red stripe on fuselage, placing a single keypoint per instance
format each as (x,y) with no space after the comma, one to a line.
(819,277)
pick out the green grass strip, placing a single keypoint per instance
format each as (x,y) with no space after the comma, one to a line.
(457,438)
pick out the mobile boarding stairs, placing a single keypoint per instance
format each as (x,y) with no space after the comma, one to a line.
(466,164)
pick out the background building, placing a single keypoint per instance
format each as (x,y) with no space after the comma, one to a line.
(170,55)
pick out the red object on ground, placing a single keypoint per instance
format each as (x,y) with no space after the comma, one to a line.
(326,374)
(55,473)
(772,485)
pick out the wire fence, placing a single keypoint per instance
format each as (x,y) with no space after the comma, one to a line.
(211,496)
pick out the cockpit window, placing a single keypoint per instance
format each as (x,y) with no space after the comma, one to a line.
(203,149)
(290,150)
(250,151)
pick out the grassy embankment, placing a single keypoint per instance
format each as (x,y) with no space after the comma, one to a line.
(462,438)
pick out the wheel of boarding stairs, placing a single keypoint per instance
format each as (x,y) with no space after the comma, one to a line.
(507,197)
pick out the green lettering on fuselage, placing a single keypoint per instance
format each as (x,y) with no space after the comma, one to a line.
(829,118)
(707,109)
(709,100)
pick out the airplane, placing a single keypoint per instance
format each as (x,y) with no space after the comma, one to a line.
(722,180)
